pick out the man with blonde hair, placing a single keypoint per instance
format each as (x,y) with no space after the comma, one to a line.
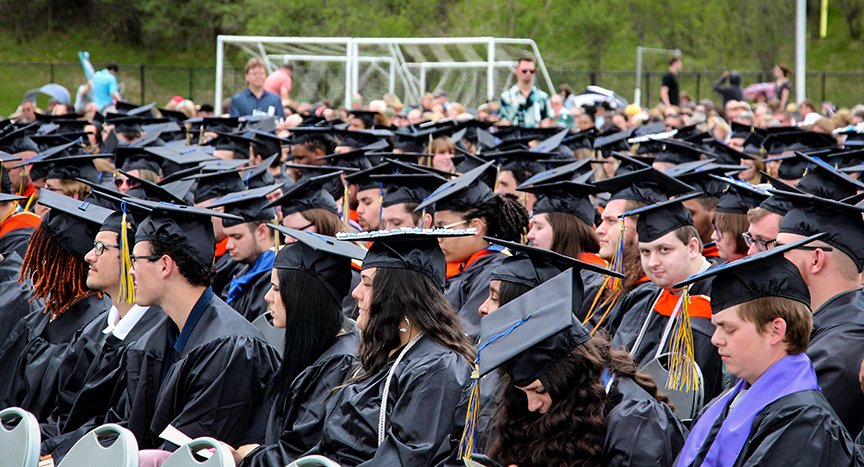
(254,97)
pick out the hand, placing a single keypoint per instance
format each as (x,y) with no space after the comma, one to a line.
(725,74)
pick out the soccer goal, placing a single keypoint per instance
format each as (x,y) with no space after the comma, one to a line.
(472,70)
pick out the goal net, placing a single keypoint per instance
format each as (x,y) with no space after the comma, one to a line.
(472,70)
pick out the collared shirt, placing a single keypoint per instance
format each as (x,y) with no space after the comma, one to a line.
(176,338)
(244,103)
(120,327)
(525,111)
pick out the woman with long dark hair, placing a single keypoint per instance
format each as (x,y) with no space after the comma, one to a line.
(569,399)
(398,407)
(308,280)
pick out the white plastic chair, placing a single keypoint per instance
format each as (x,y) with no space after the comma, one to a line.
(88,451)
(313,461)
(186,455)
(19,445)
(275,336)
(687,403)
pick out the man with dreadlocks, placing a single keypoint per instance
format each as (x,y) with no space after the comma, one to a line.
(55,265)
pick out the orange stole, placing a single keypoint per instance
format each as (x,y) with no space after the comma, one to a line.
(593,258)
(221,247)
(711,252)
(19,221)
(456,268)
(700,305)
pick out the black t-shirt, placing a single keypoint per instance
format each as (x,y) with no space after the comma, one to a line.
(670,80)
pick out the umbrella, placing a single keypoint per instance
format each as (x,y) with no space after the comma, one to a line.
(57,92)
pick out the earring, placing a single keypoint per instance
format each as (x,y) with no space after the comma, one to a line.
(409,325)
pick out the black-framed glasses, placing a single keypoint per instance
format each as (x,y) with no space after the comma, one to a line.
(806,247)
(761,245)
(717,231)
(149,258)
(99,247)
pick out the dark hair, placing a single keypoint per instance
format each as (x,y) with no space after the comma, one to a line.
(571,236)
(504,215)
(510,291)
(525,59)
(314,141)
(130,135)
(112,65)
(313,318)
(734,224)
(785,69)
(193,271)
(566,89)
(206,108)
(674,59)
(399,293)
(326,222)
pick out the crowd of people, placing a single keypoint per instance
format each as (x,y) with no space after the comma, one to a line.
(529,283)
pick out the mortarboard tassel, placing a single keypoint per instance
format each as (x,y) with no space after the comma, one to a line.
(497,174)
(682,368)
(276,232)
(127,284)
(469,435)
(618,259)
(380,204)
(346,209)
(423,219)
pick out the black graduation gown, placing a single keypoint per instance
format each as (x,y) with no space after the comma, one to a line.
(38,352)
(640,293)
(424,392)
(641,431)
(704,352)
(468,290)
(797,430)
(15,296)
(251,303)
(226,269)
(836,349)
(78,393)
(16,241)
(297,429)
(216,387)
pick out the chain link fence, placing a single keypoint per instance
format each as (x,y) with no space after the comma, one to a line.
(319,81)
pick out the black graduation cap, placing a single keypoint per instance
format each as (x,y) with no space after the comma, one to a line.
(67,167)
(779,143)
(753,144)
(356,139)
(320,256)
(533,332)
(130,124)
(132,109)
(355,159)
(363,179)
(72,223)
(152,137)
(367,116)
(471,162)
(629,163)
(679,152)
(791,167)
(614,142)
(565,172)
(217,184)
(777,203)
(308,194)
(462,193)
(765,274)
(741,131)
(532,266)
(842,222)
(173,115)
(413,249)
(17,140)
(520,160)
(264,123)
(704,178)
(248,205)
(739,196)
(231,142)
(174,192)
(407,187)
(647,185)
(650,129)
(839,158)
(135,158)
(258,176)
(55,139)
(187,227)
(823,180)
(657,220)
(581,140)
(175,159)
(266,143)
(565,196)
(551,143)
(221,124)
(723,153)
(5,182)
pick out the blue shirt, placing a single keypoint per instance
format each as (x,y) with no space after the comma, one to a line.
(244,102)
(176,338)
(104,84)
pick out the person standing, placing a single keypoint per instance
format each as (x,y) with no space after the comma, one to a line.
(669,90)
(782,85)
(255,97)
(524,104)
(279,82)
(733,92)
(104,86)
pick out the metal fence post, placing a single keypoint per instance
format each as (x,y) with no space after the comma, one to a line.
(593,78)
(52,71)
(823,86)
(648,89)
(142,85)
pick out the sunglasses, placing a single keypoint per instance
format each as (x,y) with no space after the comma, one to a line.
(528,71)
(119,182)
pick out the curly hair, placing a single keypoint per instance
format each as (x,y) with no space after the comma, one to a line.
(504,215)
(622,364)
(58,277)
(397,293)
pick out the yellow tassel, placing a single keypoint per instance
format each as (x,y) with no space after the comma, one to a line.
(466,444)
(127,284)
(497,174)
(276,232)
(618,258)
(682,368)
(345,207)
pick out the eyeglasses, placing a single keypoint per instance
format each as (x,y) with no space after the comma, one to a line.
(528,71)
(717,231)
(149,258)
(99,247)
(54,189)
(806,247)
(119,182)
(761,245)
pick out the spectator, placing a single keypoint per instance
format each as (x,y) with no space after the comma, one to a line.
(188,108)
(560,113)
(808,112)
(83,97)
(279,82)
(669,89)
(426,102)
(782,85)
(732,92)
(566,93)
(255,97)
(205,110)
(439,97)
(27,112)
(524,104)
(104,86)
(356,102)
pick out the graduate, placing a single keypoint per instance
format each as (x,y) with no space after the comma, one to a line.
(16,225)
(398,407)
(568,399)
(776,413)
(467,202)
(309,279)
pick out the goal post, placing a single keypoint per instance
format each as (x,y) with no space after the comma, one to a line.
(472,70)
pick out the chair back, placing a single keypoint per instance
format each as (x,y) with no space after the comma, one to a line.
(19,443)
(687,403)
(274,335)
(89,450)
(188,454)
(313,461)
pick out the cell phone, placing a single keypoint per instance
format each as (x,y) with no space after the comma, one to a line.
(480,460)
